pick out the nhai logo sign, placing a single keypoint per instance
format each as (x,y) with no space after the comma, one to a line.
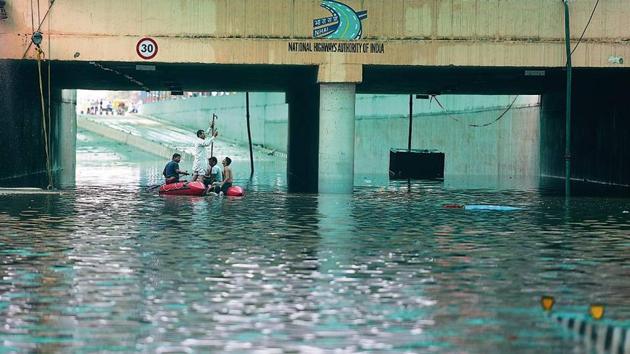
(345,23)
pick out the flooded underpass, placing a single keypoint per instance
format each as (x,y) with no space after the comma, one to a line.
(324,253)
(112,267)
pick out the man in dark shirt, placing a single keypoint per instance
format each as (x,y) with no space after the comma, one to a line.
(171,170)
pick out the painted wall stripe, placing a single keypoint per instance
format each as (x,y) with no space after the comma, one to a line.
(600,341)
(617,340)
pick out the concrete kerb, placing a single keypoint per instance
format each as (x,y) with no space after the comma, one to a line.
(27,191)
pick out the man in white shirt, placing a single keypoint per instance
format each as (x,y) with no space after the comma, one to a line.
(200,163)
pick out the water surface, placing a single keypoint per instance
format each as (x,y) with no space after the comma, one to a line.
(113,267)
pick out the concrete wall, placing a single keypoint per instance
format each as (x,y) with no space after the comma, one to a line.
(268,116)
(415,32)
(22,139)
(552,134)
(600,148)
(509,147)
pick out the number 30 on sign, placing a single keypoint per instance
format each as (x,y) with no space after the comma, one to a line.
(147,48)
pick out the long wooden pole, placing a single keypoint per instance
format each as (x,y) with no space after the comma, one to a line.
(212,130)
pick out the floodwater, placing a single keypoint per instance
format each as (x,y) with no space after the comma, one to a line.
(113,267)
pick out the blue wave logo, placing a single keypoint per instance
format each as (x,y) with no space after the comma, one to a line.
(345,23)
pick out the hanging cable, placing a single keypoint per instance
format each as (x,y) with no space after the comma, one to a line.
(126,76)
(49,110)
(32,18)
(498,118)
(44,124)
(477,125)
(586,27)
(434,97)
(49,83)
(39,26)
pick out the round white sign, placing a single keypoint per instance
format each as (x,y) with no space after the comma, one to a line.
(147,48)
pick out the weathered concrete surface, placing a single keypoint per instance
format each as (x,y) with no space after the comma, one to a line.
(336,138)
(415,32)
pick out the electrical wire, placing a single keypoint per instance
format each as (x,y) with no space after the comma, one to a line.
(49,83)
(498,118)
(44,124)
(32,18)
(477,125)
(586,27)
(434,97)
(126,76)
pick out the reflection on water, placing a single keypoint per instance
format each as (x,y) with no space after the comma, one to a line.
(117,268)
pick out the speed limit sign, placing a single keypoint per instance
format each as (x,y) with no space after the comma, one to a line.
(147,48)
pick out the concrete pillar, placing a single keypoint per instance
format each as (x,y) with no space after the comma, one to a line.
(552,136)
(303,133)
(336,126)
(336,137)
(66,140)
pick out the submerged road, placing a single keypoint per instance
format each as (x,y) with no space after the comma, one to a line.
(145,133)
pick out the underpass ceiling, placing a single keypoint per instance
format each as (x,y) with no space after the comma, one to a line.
(376,79)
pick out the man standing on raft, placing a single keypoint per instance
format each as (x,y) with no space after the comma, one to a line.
(201,154)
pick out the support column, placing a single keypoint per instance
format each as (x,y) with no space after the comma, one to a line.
(337,99)
(302,142)
(66,140)
(336,138)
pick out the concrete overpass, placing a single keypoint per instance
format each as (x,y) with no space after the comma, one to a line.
(394,46)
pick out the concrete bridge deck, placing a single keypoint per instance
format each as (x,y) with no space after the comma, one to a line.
(487,33)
